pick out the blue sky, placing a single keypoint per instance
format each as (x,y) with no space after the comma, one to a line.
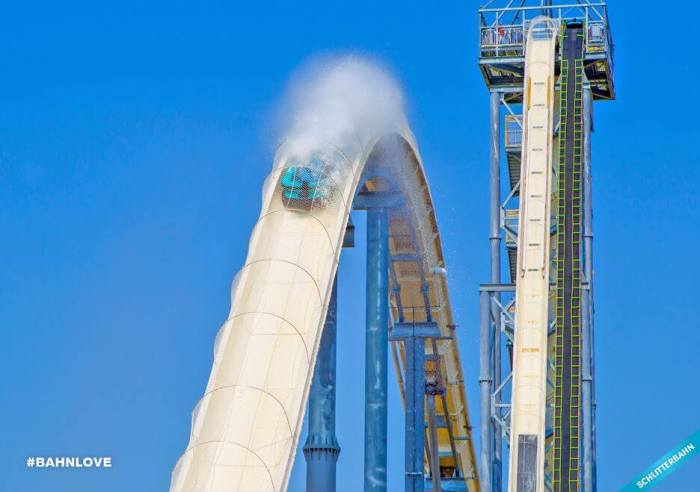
(134,141)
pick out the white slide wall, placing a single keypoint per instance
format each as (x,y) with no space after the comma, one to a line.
(246,427)
(532,286)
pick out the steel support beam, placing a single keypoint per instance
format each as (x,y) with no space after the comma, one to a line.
(417,387)
(321,449)
(547,12)
(376,349)
(378,199)
(413,336)
(415,413)
(497,288)
(587,408)
(434,448)
(495,187)
(495,243)
(485,383)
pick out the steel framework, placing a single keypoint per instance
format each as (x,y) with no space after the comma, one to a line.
(415,329)
(502,33)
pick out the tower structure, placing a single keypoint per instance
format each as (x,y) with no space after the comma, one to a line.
(583,74)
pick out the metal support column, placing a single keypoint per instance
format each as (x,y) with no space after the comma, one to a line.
(434,449)
(485,386)
(495,242)
(495,188)
(587,408)
(321,449)
(418,383)
(376,349)
(547,12)
(415,413)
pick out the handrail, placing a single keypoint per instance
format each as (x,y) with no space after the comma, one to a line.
(540,7)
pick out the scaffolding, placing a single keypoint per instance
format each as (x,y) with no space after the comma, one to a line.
(502,35)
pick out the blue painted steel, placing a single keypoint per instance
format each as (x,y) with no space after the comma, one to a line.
(447,485)
(376,348)
(321,449)
(485,382)
(434,444)
(495,242)
(587,409)
(401,331)
(415,413)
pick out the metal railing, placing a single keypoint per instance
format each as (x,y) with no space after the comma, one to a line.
(502,41)
(513,131)
(503,31)
(509,222)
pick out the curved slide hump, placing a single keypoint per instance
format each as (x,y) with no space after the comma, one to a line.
(532,287)
(246,427)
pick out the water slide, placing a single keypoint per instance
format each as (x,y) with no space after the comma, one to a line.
(530,352)
(245,429)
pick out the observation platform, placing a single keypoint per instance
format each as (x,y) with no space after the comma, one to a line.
(503,34)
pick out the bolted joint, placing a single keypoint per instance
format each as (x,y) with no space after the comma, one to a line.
(310,451)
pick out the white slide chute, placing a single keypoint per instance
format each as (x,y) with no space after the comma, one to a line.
(246,428)
(527,432)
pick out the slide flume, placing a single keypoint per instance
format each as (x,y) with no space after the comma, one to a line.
(527,438)
(245,429)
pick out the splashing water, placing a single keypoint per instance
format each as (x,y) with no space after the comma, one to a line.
(335,105)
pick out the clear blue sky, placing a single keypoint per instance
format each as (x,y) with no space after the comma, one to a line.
(134,141)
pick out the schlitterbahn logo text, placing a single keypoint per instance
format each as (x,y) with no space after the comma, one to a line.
(668,464)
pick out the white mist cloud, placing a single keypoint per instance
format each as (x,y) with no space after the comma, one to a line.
(339,103)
